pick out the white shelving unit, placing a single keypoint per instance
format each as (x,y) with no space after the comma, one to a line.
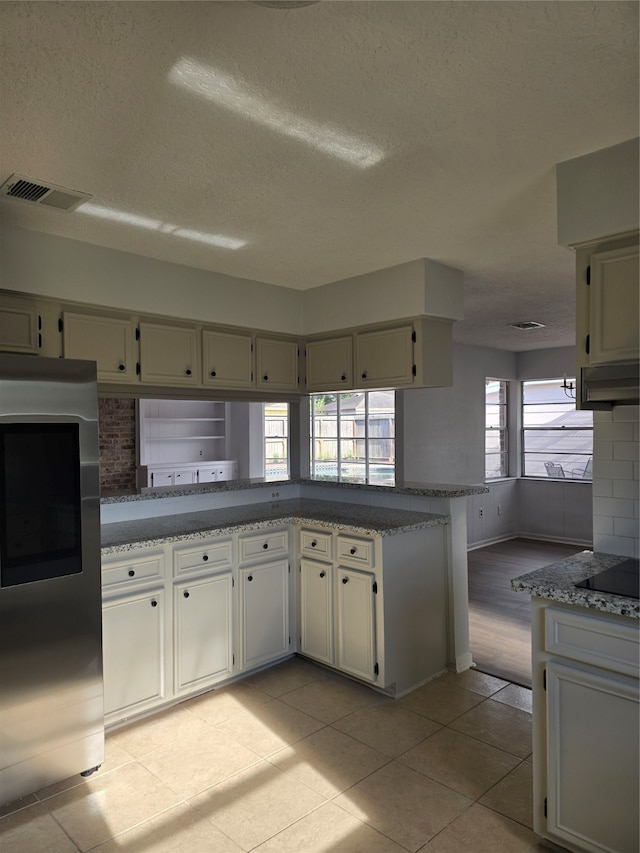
(181,434)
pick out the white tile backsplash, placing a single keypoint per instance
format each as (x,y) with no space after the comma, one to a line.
(616,508)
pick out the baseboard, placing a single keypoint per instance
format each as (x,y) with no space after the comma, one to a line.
(561,540)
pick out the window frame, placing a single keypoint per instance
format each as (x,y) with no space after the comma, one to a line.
(285,439)
(344,469)
(502,428)
(561,463)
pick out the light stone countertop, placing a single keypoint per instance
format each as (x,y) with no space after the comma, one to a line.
(431,490)
(557,583)
(122,536)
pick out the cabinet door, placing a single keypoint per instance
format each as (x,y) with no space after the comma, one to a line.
(384,358)
(227,360)
(184,476)
(18,325)
(264,613)
(160,478)
(316,610)
(202,631)
(168,355)
(276,364)
(356,623)
(614,306)
(106,340)
(593,746)
(330,364)
(133,653)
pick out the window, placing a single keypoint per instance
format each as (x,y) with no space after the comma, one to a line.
(496,447)
(276,440)
(557,440)
(353,437)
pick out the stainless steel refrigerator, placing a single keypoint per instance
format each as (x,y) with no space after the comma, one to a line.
(51,697)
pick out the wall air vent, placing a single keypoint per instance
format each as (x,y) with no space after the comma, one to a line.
(41,192)
(528,324)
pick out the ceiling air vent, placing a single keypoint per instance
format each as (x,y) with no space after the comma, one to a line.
(528,324)
(40,192)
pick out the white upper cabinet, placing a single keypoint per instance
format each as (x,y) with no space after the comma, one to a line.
(227,359)
(614,306)
(18,324)
(330,364)
(168,354)
(277,364)
(109,341)
(384,357)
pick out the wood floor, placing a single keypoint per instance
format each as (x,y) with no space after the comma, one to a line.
(500,619)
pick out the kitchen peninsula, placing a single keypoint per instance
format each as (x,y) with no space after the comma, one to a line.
(368,580)
(586,719)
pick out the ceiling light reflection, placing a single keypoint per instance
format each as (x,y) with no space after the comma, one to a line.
(222,241)
(222,89)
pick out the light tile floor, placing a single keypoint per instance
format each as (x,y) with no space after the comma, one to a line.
(296,759)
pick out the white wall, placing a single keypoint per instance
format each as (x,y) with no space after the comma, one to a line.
(616,486)
(442,429)
(546,363)
(68,269)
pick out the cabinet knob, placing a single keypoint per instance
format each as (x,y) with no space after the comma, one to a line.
(265,546)
(345,580)
(121,367)
(250,578)
(188,372)
(344,377)
(266,378)
(364,375)
(314,543)
(205,557)
(321,574)
(186,593)
(213,373)
(131,573)
(154,603)
(353,550)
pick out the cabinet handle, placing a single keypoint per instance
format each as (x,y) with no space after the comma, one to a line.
(213,373)
(321,574)
(266,378)
(345,580)
(353,550)
(364,375)
(188,372)
(344,377)
(186,593)
(131,573)
(265,546)
(314,543)
(154,603)
(205,557)
(121,367)
(250,578)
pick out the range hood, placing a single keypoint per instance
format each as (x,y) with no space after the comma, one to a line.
(610,385)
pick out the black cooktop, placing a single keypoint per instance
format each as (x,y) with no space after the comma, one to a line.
(623,579)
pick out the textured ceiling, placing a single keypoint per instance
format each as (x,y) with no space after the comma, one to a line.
(466,106)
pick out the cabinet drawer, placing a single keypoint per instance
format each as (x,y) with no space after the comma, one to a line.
(314,544)
(275,544)
(589,639)
(211,554)
(132,571)
(359,552)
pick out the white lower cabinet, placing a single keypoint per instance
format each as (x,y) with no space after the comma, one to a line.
(586,729)
(316,610)
(356,621)
(202,631)
(133,651)
(263,613)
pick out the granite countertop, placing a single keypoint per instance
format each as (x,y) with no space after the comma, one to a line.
(351,518)
(556,582)
(433,490)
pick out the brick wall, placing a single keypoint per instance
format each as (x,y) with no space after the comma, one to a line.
(117,426)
